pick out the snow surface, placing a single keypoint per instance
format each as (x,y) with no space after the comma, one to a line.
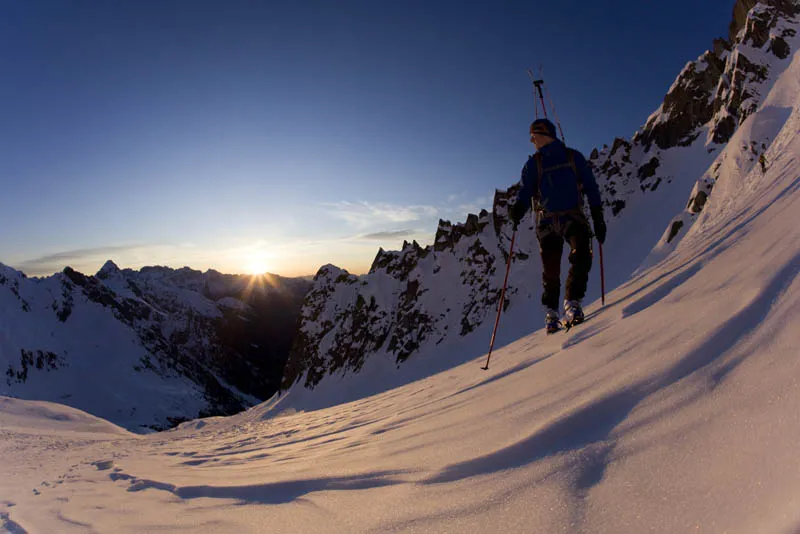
(673,409)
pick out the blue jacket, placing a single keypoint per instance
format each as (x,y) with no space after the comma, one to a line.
(559,186)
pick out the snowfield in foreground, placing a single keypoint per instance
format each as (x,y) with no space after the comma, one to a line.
(673,409)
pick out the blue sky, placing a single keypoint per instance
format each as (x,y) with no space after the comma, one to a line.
(245,135)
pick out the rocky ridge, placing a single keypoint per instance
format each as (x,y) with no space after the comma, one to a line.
(424,295)
(708,101)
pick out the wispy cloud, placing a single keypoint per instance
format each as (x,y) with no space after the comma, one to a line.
(394,234)
(458,206)
(55,262)
(367,214)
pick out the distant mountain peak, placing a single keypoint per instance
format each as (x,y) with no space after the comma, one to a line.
(108,269)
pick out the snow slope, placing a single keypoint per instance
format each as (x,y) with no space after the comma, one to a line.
(673,409)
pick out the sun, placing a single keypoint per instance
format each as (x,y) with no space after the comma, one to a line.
(256,267)
(256,263)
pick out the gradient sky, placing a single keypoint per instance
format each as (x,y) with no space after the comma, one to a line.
(283,135)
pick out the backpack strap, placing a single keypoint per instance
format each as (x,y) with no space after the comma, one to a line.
(571,157)
(539,173)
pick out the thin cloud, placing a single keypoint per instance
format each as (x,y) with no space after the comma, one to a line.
(459,207)
(56,262)
(388,235)
(366,214)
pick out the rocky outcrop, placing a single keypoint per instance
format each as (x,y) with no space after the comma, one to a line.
(420,296)
(722,85)
(700,193)
(409,298)
(686,106)
(708,101)
(760,37)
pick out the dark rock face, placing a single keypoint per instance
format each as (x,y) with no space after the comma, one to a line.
(763,25)
(774,9)
(649,169)
(392,262)
(740,11)
(447,234)
(697,202)
(687,104)
(722,79)
(712,96)
(780,47)
(33,359)
(673,230)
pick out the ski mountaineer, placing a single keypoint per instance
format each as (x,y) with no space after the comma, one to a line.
(763,161)
(556,178)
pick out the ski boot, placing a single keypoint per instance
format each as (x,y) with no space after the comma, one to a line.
(551,322)
(573,313)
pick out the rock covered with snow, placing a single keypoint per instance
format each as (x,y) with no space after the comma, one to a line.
(709,100)
(419,297)
(146,348)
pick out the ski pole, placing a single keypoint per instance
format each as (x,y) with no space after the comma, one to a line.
(502,299)
(602,276)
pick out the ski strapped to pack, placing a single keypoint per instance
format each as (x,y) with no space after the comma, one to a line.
(540,88)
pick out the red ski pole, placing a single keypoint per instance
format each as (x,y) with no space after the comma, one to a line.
(602,276)
(502,300)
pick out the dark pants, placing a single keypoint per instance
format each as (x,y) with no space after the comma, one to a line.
(552,231)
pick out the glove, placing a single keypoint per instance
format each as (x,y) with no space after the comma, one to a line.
(518,211)
(599,223)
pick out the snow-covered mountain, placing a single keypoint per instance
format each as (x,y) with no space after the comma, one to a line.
(417,301)
(672,409)
(146,348)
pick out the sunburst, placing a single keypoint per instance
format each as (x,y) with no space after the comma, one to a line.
(256,265)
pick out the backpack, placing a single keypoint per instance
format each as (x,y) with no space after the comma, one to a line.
(571,162)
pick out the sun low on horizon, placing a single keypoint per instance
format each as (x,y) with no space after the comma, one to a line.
(257,263)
